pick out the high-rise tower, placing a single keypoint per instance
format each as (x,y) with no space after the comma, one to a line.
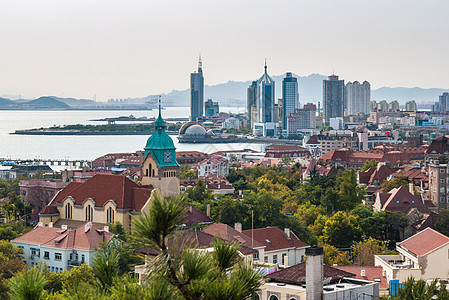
(358,97)
(265,98)
(290,97)
(333,97)
(197,93)
(251,100)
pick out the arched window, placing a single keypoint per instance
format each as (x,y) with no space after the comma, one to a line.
(255,296)
(273,297)
(110,215)
(151,169)
(68,211)
(89,213)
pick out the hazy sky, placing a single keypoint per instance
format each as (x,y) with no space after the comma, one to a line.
(120,49)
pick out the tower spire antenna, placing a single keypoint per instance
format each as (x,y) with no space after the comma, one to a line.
(159,105)
(265,64)
(200,62)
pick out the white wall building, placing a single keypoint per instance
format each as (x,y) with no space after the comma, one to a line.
(231,123)
(61,248)
(336,123)
(215,165)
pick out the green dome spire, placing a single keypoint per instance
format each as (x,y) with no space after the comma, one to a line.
(160,143)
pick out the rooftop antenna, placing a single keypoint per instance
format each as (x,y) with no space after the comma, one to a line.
(159,105)
(265,64)
(200,63)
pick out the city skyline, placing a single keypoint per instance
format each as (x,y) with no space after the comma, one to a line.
(113,50)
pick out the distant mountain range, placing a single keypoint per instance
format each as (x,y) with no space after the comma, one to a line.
(231,93)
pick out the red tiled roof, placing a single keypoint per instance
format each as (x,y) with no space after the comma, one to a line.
(424,242)
(406,200)
(228,233)
(66,239)
(195,216)
(49,209)
(102,188)
(371,274)
(297,274)
(274,238)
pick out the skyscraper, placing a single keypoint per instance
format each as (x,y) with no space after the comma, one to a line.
(265,98)
(290,96)
(333,97)
(358,97)
(251,100)
(410,106)
(197,93)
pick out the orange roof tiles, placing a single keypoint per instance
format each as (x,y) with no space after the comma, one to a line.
(424,242)
(274,238)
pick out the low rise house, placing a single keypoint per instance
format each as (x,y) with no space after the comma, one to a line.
(282,247)
(292,151)
(230,234)
(369,273)
(62,248)
(423,256)
(314,280)
(190,157)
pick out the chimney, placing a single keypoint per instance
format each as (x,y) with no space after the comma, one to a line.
(240,192)
(190,208)
(411,188)
(50,224)
(208,210)
(314,273)
(238,227)
(106,228)
(87,226)
(63,226)
(363,273)
(40,224)
(287,232)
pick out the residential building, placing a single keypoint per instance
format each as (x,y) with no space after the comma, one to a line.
(410,106)
(215,165)
(382,106)
(315,281)
(215,184)
(279,112)
(393,106)
(231,123)
(369,273)
(251,103)
(198,240)
(336,123)
(333,97)
(110,160)
(443,104)
(439,184)
(290,96)
(358,97)
(292,151)
(281,247)
(189,157)
(211,108)
(62,248)
(38,193)
(197,93)
(230,234)
(422,256)
(304,118)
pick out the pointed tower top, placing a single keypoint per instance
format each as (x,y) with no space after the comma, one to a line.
(265,65)
(200,63)
(159,124)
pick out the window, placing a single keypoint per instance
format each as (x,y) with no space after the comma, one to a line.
(68,211)
(441,170)
(256,256)
(89,213)
(284,255)
(110,215)
(35,252)
(442,199)
(53,268)
(442,180)
(255,297)
(58,256)
(273,297)
(265,259)
(82,258)
(46,255)
(275,259)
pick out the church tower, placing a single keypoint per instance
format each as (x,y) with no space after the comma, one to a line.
(160,168)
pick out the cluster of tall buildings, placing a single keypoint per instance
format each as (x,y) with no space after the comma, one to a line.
(340,99)
(443,104)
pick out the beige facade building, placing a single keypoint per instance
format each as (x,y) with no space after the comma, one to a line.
(422,256)
(439,184)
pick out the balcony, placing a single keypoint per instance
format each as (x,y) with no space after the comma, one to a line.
(75,262)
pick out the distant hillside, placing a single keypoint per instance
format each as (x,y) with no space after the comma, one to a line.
(8,104)
(45,103)
(76,102)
